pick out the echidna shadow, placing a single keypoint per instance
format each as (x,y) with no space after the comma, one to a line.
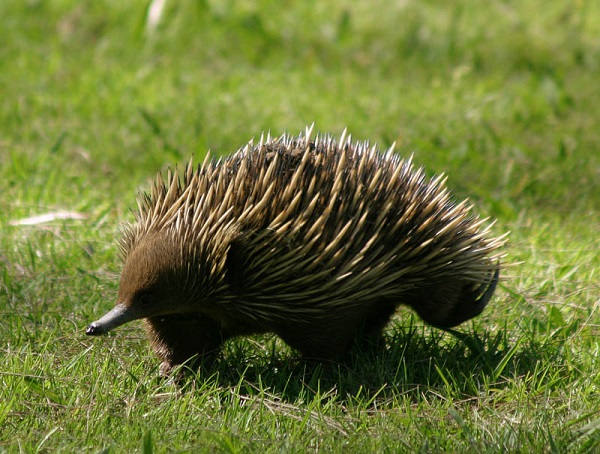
(369,368)
(314,240)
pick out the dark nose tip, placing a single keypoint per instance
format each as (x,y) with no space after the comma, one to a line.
(93,330)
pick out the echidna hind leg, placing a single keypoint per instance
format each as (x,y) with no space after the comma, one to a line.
(453,301)
(370,330)
(317,342)
(177,339)
(473,300)
(331,338)
(378,317)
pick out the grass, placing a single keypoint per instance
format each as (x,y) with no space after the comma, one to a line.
(503,96)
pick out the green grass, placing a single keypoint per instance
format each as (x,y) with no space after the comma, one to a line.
(502,95)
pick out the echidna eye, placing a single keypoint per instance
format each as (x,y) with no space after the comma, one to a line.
(146,299)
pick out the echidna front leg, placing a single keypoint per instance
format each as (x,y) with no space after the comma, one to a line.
(177,338)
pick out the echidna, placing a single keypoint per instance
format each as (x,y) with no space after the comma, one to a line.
(315,240)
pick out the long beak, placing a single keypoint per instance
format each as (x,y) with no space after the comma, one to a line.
(116,317)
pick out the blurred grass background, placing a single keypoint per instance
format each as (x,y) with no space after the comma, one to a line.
(503,96)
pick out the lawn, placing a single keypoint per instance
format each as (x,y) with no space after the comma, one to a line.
(503,96)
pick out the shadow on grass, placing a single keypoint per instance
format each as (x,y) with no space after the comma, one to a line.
(408,361)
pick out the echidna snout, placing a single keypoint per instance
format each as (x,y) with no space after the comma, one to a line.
(117,316)
(314,240)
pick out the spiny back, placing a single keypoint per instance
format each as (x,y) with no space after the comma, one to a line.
(317,220)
